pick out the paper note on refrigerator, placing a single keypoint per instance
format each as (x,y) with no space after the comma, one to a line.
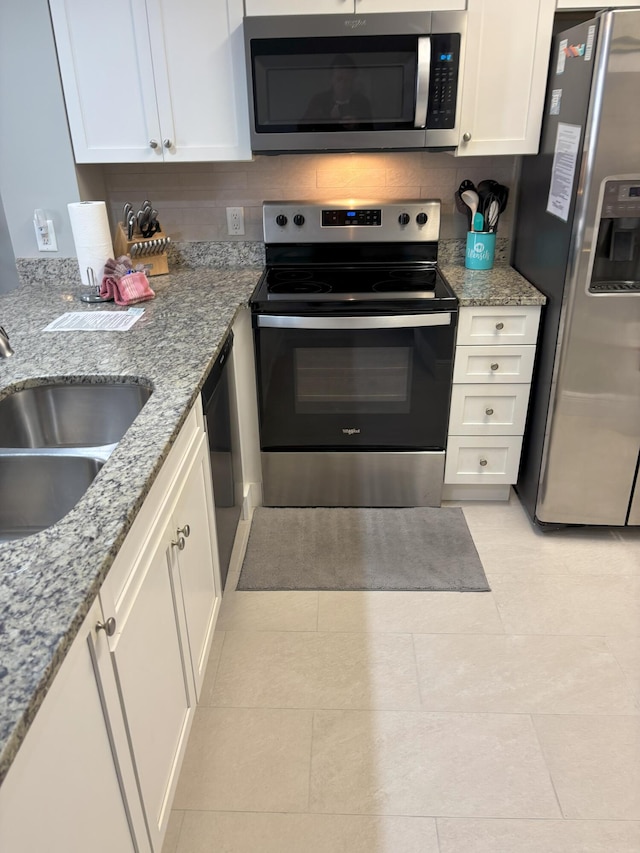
(563,170)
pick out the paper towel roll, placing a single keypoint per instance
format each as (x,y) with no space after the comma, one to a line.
(92,237)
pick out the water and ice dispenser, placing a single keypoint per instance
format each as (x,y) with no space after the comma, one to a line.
(616,265)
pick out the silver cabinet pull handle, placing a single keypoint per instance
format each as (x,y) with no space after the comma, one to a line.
(488,411)
(153,143)
(499,326)
(495,365)
(186,530)
(108,626)
(466,137)
(167,143)
(483,462)
(179,543)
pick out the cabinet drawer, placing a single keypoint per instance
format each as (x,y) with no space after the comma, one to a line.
(485,459)
(504,324)
(488,409)
(493,364)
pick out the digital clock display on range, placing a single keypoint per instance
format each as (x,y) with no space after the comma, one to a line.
(339,218)
(634,192)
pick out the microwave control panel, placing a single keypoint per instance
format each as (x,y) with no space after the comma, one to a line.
(443,83)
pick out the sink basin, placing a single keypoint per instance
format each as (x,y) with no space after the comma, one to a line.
(37,490)
(77,415)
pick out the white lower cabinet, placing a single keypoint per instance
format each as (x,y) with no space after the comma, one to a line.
(164,593)
(152,669)
(99,765)
(495,353)
(72,785)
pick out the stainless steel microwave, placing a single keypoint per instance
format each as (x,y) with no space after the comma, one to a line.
(354,82)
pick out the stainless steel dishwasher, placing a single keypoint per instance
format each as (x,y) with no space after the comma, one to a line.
(217,402)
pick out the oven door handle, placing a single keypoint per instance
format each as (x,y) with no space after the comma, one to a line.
(399,321)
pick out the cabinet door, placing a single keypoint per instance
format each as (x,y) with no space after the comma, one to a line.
(152,670)
(200,77)
(107,75)
(505,74)
(594,4)
(410,5)
(295,7)
(71,786)
(196,560)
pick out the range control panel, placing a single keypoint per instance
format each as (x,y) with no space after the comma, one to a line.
(351,217)
(335,222)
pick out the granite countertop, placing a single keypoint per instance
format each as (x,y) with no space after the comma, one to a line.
(501,285)
(49,581)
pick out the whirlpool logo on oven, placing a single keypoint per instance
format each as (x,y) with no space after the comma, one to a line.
(350,431)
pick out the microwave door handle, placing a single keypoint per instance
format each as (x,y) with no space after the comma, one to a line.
(422,81)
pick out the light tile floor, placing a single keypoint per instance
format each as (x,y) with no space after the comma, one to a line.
(392,722)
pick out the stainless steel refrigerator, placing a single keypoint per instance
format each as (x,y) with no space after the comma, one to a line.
(577,239)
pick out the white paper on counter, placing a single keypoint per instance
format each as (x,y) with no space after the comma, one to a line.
(94,321)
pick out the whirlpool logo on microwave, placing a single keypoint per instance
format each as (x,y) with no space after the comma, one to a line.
(350,431)
(355,23)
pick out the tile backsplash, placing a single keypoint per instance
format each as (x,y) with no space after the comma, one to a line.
(191,198)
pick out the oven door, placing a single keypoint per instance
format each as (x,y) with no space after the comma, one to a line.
(356,383)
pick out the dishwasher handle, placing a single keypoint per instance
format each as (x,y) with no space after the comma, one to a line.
(215,374)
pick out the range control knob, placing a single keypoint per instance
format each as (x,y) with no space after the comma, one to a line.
(404,219)
(421,218)
(281,220)
(298,219)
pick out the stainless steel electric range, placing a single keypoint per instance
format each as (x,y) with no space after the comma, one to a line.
(354,331)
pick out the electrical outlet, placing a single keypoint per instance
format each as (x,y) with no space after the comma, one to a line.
(45,236)
(235,220)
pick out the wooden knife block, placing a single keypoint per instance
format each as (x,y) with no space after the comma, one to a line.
(153,264)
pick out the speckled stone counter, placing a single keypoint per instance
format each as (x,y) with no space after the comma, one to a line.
(501,285)
(48,581)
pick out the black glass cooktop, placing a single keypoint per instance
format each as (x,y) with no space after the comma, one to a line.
(324,286)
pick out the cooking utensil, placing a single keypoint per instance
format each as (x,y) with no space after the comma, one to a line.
(492,213)
(131,224)
(471,199)
(466,185)
(461,205)
(502,193)
(127,210)
(478,222)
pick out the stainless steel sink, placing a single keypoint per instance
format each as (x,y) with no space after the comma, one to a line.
(38,489)
(77,415)
(54,439)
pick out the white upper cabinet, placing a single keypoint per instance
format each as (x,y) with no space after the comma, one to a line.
(505,75)
(153,80)
(346,7)
(593,4)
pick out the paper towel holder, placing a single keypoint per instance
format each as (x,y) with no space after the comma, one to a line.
(92,295)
